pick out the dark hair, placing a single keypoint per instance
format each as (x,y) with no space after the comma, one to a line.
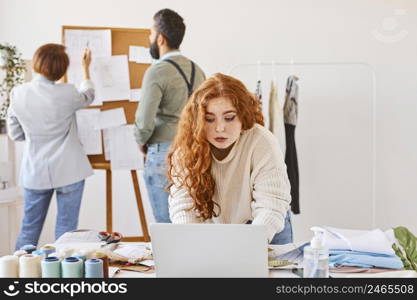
(171,26)
(51,61)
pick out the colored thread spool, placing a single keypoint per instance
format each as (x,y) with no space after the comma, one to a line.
(19,253)
(9,266)
(94,268)
(28,248)
(51,267)
(105,260)
(48,250)
(29,266)
(72,267)
(81,256)
(40,254)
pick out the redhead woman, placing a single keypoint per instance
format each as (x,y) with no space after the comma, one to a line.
(42,113)
(224,166)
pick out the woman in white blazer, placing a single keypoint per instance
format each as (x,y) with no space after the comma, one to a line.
(42,113)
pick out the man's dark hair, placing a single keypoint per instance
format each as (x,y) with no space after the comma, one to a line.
(171,26)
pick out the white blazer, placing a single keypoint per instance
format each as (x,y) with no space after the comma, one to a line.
(42,113)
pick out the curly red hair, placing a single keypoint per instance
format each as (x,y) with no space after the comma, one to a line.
(189,160)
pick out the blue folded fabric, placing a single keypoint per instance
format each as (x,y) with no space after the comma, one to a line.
(363,259)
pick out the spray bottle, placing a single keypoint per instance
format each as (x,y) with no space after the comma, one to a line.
(316,256)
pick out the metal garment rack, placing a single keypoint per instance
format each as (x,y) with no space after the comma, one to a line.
(291,63)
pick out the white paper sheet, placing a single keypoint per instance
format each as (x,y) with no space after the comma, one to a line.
(111,78)
(90,137)
(98,41)
(148,263)
(135,94)
(132,251)
(78,236)
(111,118)
(140,55)
(124,151)
(106,142)
(374,241)
(133,53)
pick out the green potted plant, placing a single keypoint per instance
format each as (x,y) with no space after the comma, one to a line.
(12,70)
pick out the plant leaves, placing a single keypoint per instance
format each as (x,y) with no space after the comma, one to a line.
(15,67)
(408,242)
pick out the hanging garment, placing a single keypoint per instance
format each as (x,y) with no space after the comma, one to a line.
(290,120)
(258,92)
(276,116)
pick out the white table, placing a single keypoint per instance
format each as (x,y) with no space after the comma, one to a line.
(286,273)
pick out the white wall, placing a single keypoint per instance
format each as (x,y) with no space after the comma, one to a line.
(221,34)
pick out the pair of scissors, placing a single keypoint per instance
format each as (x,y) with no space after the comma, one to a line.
(110,238)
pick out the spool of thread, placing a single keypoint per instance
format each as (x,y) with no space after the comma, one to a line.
(28,248)
(9,266)
(105,260)
(72,267)
(40,254)
(19,253)
(48,250)
(94,268)
(29,266)
(51,267)
(81,256)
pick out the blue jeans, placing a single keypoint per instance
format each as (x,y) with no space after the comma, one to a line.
(156,181)
(36,209)
(286,235)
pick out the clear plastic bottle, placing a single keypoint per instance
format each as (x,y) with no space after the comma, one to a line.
(316,257)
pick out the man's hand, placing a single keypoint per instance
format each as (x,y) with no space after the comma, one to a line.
(144,150)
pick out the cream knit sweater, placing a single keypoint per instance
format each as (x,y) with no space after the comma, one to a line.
(251,184)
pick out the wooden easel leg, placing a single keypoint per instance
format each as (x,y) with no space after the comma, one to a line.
(139,203)
(109,206)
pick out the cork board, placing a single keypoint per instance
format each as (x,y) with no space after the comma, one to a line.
(121,38)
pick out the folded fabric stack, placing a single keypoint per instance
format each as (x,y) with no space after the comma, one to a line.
(338,258)
(361,248)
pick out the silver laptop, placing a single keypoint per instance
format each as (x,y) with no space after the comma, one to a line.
(209,250)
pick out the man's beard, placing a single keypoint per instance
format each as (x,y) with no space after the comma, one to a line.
(154,50)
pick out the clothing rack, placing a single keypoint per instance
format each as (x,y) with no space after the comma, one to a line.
(276,64)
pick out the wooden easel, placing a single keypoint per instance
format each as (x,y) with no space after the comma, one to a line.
(122,38)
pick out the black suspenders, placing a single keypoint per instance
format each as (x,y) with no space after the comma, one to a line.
(190,83)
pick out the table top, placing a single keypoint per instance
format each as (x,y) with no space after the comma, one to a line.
(286,272)
(281,273)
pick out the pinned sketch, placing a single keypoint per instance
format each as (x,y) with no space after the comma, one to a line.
(98,41)
(124,151)
(111,78)
(135,94)
(140,55)
(90,137)
(111,118)
(106,141)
